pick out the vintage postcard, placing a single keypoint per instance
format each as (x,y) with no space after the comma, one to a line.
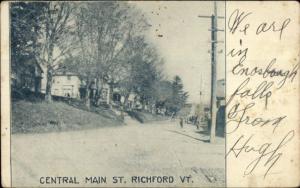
(150,94)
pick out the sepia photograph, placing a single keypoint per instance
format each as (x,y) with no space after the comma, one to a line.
(117,93)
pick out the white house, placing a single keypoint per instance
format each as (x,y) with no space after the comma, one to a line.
(66,84)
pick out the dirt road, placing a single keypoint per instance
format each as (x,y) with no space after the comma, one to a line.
(157,149)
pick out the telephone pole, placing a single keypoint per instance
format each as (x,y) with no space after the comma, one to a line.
(213,97)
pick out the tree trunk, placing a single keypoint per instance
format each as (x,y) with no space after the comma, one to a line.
(87,95)
(36,86)
(122,112)
(110,95)
(126,100)
(99,84)
(48,96)
(49,72)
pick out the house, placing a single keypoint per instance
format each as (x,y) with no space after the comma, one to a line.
(66,84)
(100,94)
(105,93)
(26,75)
(133,101)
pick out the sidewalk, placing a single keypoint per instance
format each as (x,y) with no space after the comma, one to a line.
(191,131)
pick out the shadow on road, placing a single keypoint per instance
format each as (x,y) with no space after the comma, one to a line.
(202,140)
(219,132)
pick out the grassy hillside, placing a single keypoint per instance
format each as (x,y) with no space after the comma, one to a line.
(29,117)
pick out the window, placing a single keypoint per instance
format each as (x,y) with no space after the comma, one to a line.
(69,77)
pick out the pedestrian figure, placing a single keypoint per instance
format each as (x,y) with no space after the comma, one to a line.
(68,97)
(181,122)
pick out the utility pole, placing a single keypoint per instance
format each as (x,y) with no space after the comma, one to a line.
(213,97)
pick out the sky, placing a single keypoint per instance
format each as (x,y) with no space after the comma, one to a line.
(183,40)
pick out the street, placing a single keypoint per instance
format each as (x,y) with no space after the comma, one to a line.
(156,149)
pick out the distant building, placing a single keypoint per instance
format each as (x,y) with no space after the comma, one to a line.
(66,84)
(99,95)
(26,75)
(220,92)
(186,110)
(133,101)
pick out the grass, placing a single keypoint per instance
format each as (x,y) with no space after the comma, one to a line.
(32,117)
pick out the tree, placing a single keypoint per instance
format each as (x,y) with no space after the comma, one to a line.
(104,30)
(57,39)
(25,32)
(139,70)
(179,97)
(162,93)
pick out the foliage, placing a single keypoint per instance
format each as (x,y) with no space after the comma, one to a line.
(104,30)
(25,31)
(171,94)
(101,42)
(179,96)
